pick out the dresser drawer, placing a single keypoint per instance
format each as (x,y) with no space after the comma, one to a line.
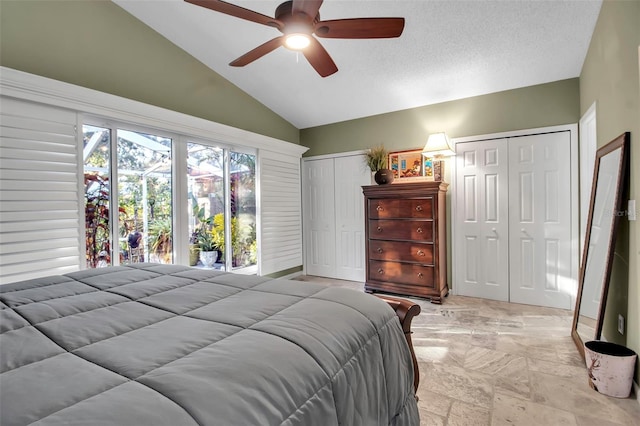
(402,273)
(382,208)
(407,251)
(421,230)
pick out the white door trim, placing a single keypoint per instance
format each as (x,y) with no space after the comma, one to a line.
(524,132)
(575,223)
(335,155)
(588,147)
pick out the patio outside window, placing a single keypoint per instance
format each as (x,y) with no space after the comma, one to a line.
(221,203)
(209,206)
(144,198)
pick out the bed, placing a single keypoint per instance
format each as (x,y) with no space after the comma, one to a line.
(150,344)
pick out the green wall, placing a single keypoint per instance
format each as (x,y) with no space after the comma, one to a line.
(97,44)
(529,107)
(611,78)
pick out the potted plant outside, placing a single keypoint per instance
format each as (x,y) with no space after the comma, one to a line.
(208,248)
(202,242)
(377,161)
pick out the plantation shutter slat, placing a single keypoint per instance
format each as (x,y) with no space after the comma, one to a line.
(39,192)
(281,212)
(30,246)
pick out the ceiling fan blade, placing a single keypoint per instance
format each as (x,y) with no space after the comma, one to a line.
(237,11)
(319,58)
(360,28)
(258,52)
(308,7)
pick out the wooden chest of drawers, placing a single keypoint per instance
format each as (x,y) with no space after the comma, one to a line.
(406,239)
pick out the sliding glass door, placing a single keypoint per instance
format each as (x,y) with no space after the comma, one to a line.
(133,170)
(222,207)
(97,195)
(206,189)
(145,227)
(242,205)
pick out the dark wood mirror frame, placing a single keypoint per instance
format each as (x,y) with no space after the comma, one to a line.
(616,210)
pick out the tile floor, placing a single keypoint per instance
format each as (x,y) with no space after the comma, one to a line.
(494,363)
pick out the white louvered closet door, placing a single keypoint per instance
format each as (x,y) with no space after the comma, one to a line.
(280,212)
(40,210)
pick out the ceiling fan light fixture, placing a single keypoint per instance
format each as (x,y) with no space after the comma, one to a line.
(297,41)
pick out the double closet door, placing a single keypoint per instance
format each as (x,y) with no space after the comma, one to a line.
(513,220)
(333,216)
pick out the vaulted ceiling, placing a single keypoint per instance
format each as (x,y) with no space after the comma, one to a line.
(449,50)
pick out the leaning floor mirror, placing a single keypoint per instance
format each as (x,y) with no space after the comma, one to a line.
(605,210)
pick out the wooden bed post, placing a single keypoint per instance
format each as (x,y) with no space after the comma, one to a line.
(406,310)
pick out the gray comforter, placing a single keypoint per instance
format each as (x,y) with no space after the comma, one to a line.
(170,345)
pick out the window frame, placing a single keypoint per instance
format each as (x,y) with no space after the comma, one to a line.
(179,186)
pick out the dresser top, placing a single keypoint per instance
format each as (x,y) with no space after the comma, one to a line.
(402,189)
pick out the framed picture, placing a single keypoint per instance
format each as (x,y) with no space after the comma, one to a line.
(410,165)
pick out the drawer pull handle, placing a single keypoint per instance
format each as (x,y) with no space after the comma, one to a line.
(379,228)
(381,271)
(420,253)
(420,275)
(419,230)
(379,208)
(379,250)
(419,208)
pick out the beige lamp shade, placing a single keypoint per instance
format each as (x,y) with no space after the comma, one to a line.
(438,145)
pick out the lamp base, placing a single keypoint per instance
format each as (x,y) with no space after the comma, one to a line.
(438,170)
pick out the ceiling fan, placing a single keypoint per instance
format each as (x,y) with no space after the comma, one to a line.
(298,20)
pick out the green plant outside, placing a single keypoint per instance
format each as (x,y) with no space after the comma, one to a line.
(243,240)
(97,235)
(161,239)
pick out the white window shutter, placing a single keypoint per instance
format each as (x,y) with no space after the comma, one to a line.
(39,191)
(280,212)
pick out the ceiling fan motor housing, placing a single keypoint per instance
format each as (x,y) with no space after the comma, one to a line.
(299,23)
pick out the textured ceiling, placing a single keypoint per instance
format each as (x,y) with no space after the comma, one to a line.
(449,50)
